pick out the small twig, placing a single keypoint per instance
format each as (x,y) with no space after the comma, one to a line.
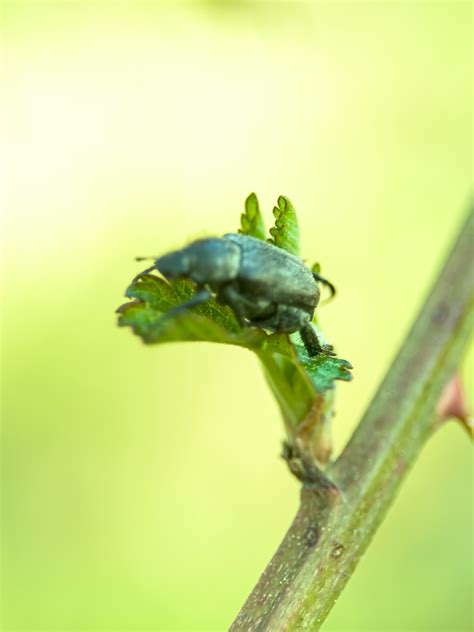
(335,523)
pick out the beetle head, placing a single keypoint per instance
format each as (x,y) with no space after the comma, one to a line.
(212,260)
(174,265)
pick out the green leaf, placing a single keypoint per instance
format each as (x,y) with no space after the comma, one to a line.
(296,378)
(286,232)
(251,221)
(154,297)
(323,369)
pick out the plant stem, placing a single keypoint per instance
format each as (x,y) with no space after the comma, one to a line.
(334,525)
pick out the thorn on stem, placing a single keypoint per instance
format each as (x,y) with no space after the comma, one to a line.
(453,404)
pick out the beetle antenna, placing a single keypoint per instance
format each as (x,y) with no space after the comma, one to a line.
(146,258)
(328,284)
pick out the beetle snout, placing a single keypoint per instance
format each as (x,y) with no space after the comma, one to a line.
(173,265)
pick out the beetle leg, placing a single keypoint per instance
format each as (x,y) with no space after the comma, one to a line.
(202,296)
(231,297)
(285,319)
(312,344)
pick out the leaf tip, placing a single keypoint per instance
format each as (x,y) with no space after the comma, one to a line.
(285,232)
(251,221)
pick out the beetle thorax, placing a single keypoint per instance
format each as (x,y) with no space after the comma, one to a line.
(213,260)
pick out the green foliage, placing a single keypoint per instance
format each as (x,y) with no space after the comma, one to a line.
(323,370)
(210,322)
(286,232)
(296,379)
(251,222)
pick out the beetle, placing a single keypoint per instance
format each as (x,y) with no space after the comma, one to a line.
(265,286)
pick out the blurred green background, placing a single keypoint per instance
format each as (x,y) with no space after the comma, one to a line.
(142,487)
